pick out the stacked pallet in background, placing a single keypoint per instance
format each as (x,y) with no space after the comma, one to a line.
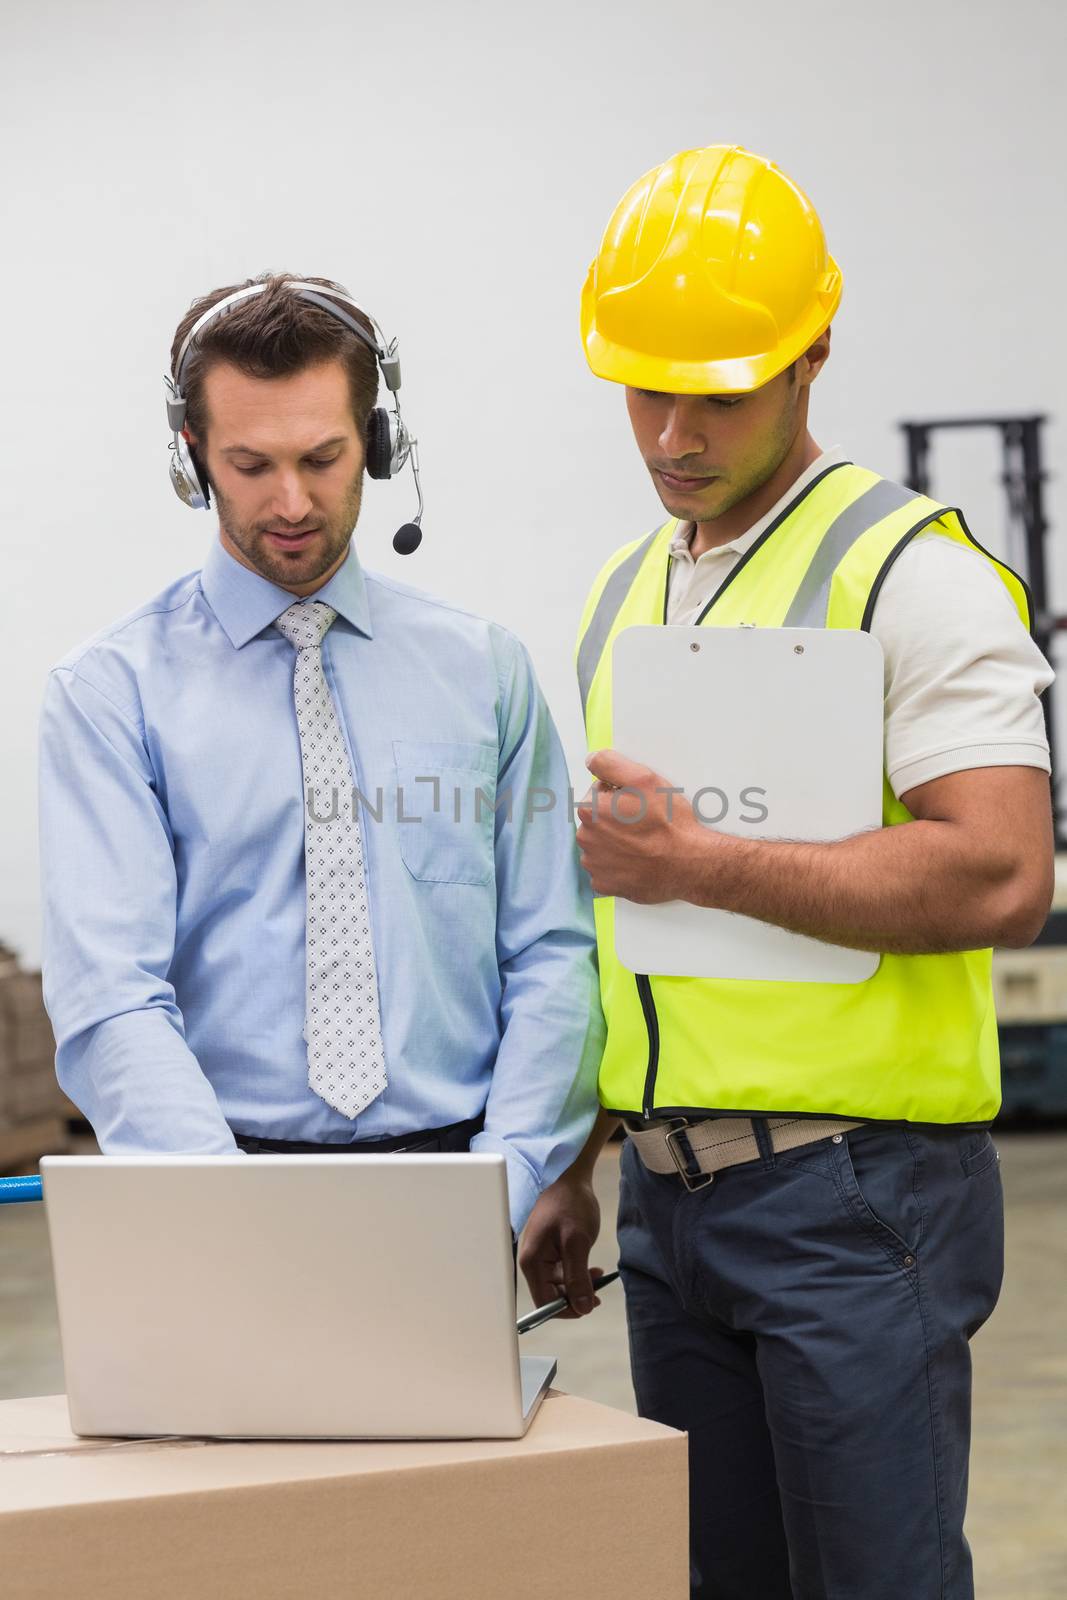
(1031,995)
(34,1111)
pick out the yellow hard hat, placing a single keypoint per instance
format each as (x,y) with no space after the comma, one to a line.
(711,278)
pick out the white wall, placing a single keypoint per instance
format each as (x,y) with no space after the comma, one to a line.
(454,165)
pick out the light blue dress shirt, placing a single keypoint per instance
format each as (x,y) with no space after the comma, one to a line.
(172,844)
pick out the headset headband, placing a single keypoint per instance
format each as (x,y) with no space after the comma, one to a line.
(384,354)
(389,445)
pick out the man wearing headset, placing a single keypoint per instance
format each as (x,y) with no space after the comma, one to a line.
(810,1216)
(297,896)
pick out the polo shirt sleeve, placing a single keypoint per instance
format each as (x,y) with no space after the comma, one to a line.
(963,677)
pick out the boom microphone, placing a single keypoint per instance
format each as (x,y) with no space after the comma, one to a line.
(407,539)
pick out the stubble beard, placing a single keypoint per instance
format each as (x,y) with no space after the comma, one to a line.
(755,475)
(302,566)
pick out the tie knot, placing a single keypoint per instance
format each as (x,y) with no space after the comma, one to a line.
(305,625)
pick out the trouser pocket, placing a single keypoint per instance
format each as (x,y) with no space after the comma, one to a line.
(876,1173)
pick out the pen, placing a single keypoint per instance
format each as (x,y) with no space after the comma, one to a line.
(534,1319)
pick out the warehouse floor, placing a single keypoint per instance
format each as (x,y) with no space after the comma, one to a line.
(1018,1506)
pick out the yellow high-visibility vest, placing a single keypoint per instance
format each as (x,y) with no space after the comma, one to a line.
(917,1041)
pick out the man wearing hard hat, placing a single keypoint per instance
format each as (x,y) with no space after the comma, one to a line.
(811,1217)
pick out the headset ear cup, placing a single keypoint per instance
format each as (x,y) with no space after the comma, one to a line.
(190,483)
(202,480)
(379,444)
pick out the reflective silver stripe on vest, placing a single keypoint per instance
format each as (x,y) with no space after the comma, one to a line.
(809,605)
(608,606)
(811,602)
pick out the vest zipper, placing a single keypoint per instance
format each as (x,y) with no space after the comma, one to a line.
(644,985)
(648,1006)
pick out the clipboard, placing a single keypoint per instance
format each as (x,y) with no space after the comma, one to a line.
(772,733)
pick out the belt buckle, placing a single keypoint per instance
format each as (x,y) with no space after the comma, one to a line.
(703,1179)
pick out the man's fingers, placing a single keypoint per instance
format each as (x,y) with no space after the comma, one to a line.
(548,1286)
(596,1273)
(547,1280)
(543,1276)
(615,770)
(576,1276)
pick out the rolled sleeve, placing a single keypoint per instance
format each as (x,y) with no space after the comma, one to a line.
(109,896)
(524,1184)
(542,1097)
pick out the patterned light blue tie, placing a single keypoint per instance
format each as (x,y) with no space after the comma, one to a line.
(342,1025)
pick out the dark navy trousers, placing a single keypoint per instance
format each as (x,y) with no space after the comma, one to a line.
(805,1319)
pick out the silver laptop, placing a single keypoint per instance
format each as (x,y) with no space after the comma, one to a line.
(353,1297)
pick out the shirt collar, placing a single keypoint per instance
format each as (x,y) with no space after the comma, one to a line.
(246,603)
(683,533)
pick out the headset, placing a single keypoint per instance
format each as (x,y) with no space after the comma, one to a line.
(389,444)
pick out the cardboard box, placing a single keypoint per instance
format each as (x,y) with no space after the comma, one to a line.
(28,1087)
(34,1094)
(23,994)
(23,1144)
(1030,986)
(591,1503)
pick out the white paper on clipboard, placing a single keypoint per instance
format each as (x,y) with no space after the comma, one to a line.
(782,728)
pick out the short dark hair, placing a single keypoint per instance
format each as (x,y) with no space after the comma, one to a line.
(272,335)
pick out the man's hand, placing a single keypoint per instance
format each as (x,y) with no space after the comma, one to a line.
(637,834)
(554,1252)
(974,868)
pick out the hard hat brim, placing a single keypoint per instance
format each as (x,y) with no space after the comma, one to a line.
(639,369)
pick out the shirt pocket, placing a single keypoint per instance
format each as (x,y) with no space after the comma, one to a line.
(444,810)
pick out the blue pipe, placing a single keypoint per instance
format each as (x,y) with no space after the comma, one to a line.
(12,1190)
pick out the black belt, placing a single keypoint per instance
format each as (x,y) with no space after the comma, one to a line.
(457,1136)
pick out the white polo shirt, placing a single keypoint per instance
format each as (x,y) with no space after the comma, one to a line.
(962,675)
